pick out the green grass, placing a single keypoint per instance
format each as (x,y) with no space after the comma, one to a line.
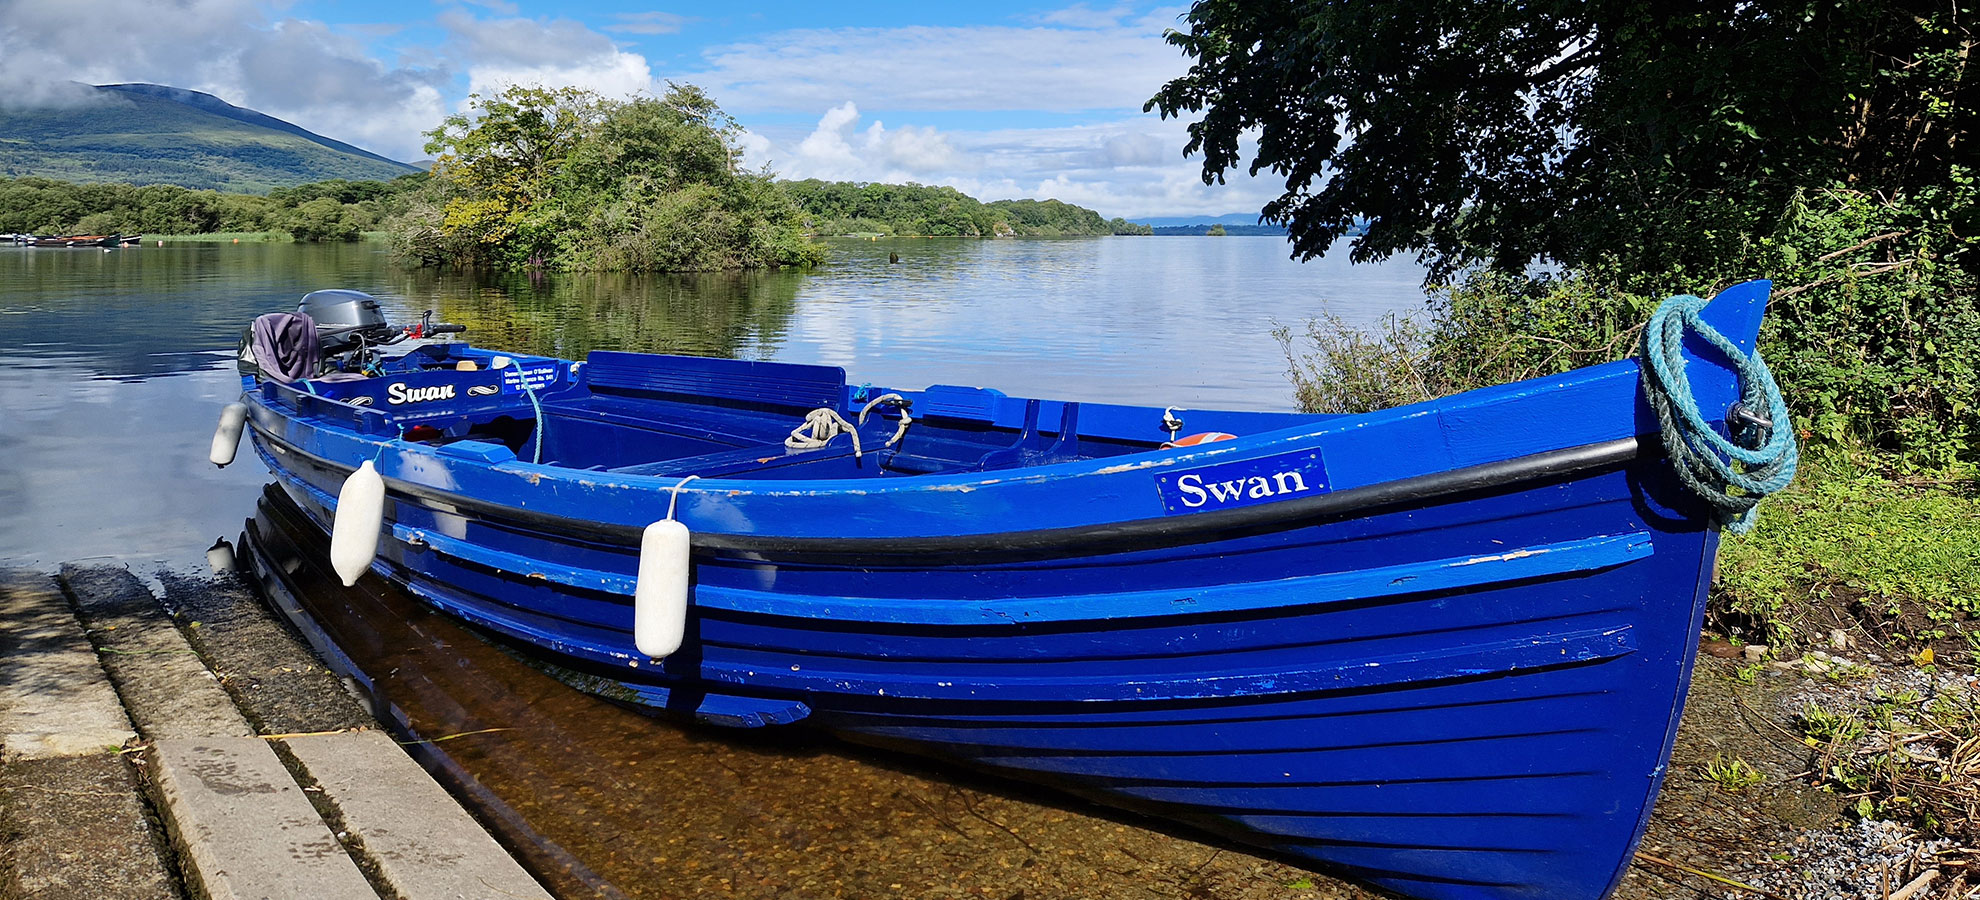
(1846,534)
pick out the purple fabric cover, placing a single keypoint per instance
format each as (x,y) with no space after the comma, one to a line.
(285,346)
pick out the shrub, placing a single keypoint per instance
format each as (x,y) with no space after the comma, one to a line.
(1873,330)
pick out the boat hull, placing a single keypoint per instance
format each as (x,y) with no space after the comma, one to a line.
(1489,719)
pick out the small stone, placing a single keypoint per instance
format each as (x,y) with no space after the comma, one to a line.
(1755,652)
(1838,639)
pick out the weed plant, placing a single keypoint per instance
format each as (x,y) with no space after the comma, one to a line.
(1732,774)
(1908,756)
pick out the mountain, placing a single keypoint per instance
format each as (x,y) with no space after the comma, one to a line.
(154,134)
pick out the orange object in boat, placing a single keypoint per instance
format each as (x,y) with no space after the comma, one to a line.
(1202,437)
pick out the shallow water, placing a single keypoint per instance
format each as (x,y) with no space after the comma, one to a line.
(602,801)
(113,364)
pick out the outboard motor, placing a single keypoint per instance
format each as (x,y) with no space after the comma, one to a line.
(349,327)
(345,319)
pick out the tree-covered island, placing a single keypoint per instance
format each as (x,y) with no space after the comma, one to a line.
(565,179)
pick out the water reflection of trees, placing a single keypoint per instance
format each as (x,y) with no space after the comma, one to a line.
(729,314)
(144,311)
(149,311)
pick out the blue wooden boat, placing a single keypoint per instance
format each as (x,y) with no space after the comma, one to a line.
(1440,648)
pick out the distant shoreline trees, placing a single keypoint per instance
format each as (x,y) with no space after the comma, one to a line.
(918,210)
(335,210)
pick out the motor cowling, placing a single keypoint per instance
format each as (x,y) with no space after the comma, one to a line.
(344,319)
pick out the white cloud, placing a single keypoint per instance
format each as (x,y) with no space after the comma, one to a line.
(1099,63)
(1132,166)
(54,94)
(298,70)
(647,23)
(1051,69)
(834,151)
(307,74)
(1079,15)
(548,52)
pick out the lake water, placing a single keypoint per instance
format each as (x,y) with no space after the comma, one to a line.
(113,365)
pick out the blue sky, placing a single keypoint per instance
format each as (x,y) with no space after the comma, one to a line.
(998,99)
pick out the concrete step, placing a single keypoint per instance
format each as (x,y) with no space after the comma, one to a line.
(168,691)
(243,827)
(54,697)
(425,846)
(243,824)
(73,824)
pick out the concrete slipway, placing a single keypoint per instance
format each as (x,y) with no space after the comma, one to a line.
(130,769)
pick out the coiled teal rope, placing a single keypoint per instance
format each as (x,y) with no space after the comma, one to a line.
(1730,473)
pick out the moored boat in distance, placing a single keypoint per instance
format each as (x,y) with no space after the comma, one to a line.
(75,240)
(1440,648)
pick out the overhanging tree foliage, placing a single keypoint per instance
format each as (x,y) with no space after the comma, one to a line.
(1657,135)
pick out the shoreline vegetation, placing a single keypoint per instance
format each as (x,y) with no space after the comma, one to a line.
(33,204)
(334,210)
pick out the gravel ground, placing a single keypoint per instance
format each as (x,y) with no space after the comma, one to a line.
(1784,836)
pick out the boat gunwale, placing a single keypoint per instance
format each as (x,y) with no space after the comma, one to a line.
(1118,536)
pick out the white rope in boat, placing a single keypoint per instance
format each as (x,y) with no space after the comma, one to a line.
(823,424)
(906,419)
(676,499)
(820,426)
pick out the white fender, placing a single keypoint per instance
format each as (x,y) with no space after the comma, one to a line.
(227,438)
(660,596)
(354,531)
(220,557)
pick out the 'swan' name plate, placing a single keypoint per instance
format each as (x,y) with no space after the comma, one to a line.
(1245,482)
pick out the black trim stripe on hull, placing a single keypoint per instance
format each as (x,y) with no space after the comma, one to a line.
(1114,537)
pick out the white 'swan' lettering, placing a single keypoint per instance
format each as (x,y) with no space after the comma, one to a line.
(1196,493)
(399,393)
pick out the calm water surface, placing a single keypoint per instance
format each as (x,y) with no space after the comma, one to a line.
(113,365)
